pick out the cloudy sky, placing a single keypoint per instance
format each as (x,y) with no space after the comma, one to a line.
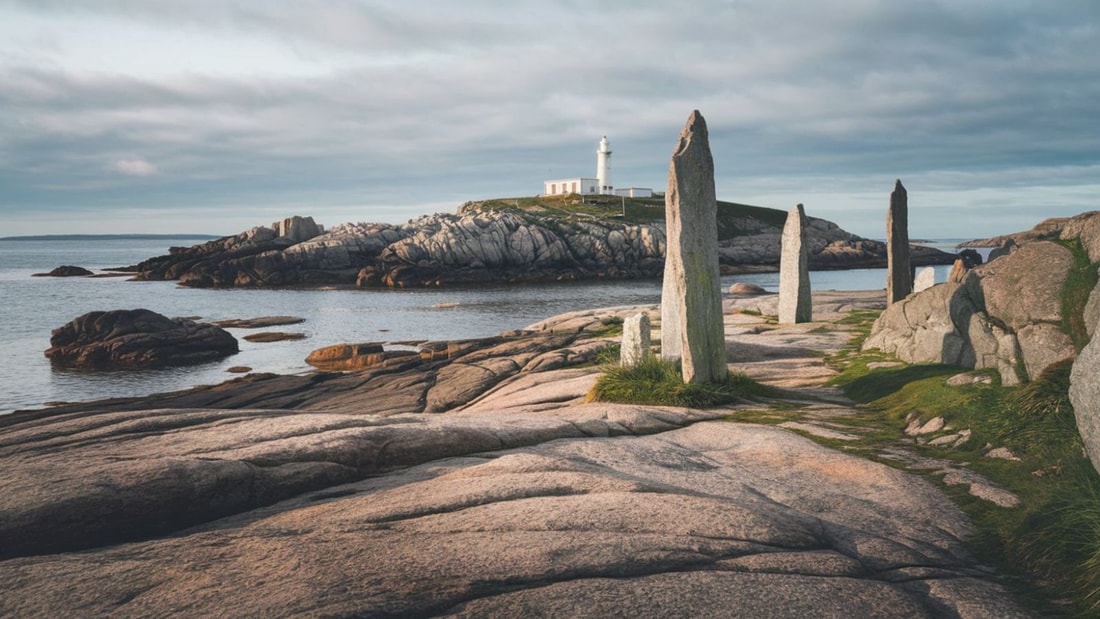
(216,115)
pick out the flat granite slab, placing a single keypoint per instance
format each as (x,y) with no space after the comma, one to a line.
(706,518)
(524,501)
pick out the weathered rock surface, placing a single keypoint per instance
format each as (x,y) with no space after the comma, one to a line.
(794,270)
(523,502)
(476,515)
(136,339)
(1005,314)
(66,271)
(691,293)
(297,229)
(483,243)
(1084,394)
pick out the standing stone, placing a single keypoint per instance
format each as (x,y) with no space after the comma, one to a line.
(635,346)
(794,270)
(899,275)
(691,295)
(926,278)
(1084,395)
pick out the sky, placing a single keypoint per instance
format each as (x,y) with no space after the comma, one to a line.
(213,116)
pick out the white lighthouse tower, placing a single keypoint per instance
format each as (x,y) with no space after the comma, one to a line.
(603,167)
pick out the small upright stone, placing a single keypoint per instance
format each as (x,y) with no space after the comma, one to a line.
(926,278)
(794,270)
(899,276)
(635,346)
(691,295)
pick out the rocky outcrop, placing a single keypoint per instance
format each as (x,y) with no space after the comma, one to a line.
(297,229)
(1006,314)
(66,271)
(479,247)
(483,243)
(351,357)
(136,339)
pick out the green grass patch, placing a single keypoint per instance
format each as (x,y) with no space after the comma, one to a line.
(611,326)
(659,382)
(865,384)
(1053,538)
(1080,281)
(731,215)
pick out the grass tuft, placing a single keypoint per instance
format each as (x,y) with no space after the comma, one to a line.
(1080,281)
(657,381)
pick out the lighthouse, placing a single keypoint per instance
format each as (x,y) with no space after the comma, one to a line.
(587,186)
(603,167)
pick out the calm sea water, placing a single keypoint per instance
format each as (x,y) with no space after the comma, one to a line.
(30,307)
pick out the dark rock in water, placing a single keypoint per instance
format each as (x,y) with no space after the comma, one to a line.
(137,338)
(66,271)
(343,357)
(745,288)
(258,323)
(273,336)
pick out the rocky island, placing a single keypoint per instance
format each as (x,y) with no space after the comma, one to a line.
(516,240)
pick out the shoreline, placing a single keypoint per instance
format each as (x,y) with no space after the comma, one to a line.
(517,486)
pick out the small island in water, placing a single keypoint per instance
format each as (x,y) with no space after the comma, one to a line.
(532,239)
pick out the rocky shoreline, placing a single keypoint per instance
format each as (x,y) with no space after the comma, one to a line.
(491,244)
(475,480)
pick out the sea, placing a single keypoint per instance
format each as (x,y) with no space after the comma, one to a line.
(31,307)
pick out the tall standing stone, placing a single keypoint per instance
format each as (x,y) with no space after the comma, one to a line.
(794,270)
(635,344)
(899,275)
(691,296)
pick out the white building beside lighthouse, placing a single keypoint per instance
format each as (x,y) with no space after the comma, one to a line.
(601,185)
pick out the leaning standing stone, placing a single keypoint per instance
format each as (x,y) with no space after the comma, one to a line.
(794,270)
(899,277)
(635,346)
(691,296)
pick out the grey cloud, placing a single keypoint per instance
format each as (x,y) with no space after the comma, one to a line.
(449,99)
